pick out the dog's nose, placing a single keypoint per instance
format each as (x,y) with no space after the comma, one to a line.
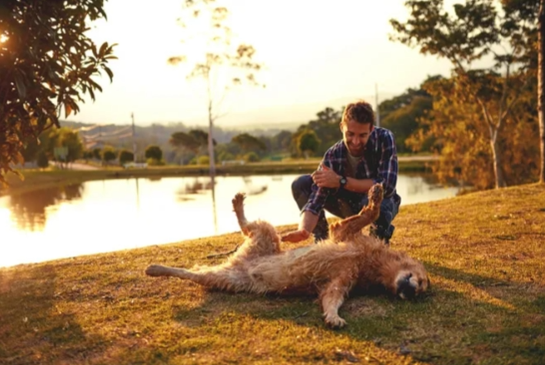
(405,288)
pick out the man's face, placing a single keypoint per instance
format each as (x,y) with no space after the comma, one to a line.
(355,136)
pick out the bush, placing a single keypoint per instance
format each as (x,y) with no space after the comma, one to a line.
(251,157)
(226,156)
(203,160)
(155,162)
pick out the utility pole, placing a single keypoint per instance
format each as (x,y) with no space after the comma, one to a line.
(376,105)
(133,139)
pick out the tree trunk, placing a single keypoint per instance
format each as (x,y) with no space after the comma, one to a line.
(541,85)
(211,146)
(496,155)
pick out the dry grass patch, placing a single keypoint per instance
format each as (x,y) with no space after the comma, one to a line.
(485,253)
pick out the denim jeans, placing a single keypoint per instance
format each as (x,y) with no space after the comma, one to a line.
(344,204)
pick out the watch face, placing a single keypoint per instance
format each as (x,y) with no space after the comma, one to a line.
(343,181)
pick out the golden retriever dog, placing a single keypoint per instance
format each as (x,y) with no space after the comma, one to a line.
(348,260)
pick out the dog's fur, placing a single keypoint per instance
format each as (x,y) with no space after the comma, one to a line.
(347,260)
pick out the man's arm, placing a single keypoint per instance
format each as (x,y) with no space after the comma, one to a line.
(306,226)
(386,174)
(327,178)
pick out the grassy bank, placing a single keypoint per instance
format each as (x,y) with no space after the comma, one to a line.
(34,179)
(485,253)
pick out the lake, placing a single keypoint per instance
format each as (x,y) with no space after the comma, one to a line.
(111,215)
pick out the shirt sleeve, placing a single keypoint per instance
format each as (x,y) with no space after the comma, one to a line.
(388,166)
(318,196)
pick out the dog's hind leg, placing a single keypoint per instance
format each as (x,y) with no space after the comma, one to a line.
(332,297)
(217,277)
(342,230)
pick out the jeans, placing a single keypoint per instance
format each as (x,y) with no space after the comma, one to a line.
(344,204)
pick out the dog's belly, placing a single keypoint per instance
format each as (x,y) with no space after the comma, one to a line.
(283,273)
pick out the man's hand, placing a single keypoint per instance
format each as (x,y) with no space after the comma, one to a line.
(326,178)
(296,236)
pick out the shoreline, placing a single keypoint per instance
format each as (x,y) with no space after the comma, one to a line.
(37,179)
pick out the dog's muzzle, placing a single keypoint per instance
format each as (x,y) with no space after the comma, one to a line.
(405,288)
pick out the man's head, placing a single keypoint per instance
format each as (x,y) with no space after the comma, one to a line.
(356,125)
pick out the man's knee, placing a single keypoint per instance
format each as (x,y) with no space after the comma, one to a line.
(301,185)
(389,209)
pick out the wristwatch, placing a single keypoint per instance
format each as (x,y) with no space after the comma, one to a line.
(342,181)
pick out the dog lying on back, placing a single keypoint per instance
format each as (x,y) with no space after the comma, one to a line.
(347,260)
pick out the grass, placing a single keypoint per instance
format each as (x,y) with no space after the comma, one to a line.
(484,251)
(36,179)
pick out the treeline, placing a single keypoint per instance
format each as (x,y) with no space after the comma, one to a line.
(435,118)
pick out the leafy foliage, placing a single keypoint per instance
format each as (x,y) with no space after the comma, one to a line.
(154,152)
(125,156)
(47,65)
(248,142)
(473,30)
(462,140)
(308,142)
(326,127)
(401,113)
(108,154)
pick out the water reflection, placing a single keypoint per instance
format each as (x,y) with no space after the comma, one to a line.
(118,214)
(28,210)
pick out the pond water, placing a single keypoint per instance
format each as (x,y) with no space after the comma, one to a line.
(111,215)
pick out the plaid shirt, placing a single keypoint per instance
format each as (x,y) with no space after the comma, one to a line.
(379,163)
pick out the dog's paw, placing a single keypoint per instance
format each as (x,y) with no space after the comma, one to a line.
(334,321)
(238,201)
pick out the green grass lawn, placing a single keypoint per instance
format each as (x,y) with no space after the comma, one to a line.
(485,253)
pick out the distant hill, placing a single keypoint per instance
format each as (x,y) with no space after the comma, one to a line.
(263,122)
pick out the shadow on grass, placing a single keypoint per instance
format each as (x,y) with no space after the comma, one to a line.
(41,325)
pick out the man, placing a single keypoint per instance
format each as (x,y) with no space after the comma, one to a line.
(366,155)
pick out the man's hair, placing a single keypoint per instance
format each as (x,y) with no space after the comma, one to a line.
(360,112)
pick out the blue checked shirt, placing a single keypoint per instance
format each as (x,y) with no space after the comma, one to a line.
(379,163)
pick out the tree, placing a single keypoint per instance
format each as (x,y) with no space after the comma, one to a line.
(154,152)
(47,65)
(541,85)
(108,154)
(308,142)
(326,127)
(221,65)
(473,31)
(70,139)
(401,113)
(184,140)
(96,153)
(42,160)
(281,141)
(248,143)
(459,136)
(125,156)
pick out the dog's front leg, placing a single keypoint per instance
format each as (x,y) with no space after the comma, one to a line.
(238,208)
(332,297)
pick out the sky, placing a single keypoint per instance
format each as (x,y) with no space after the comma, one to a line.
(313,51)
